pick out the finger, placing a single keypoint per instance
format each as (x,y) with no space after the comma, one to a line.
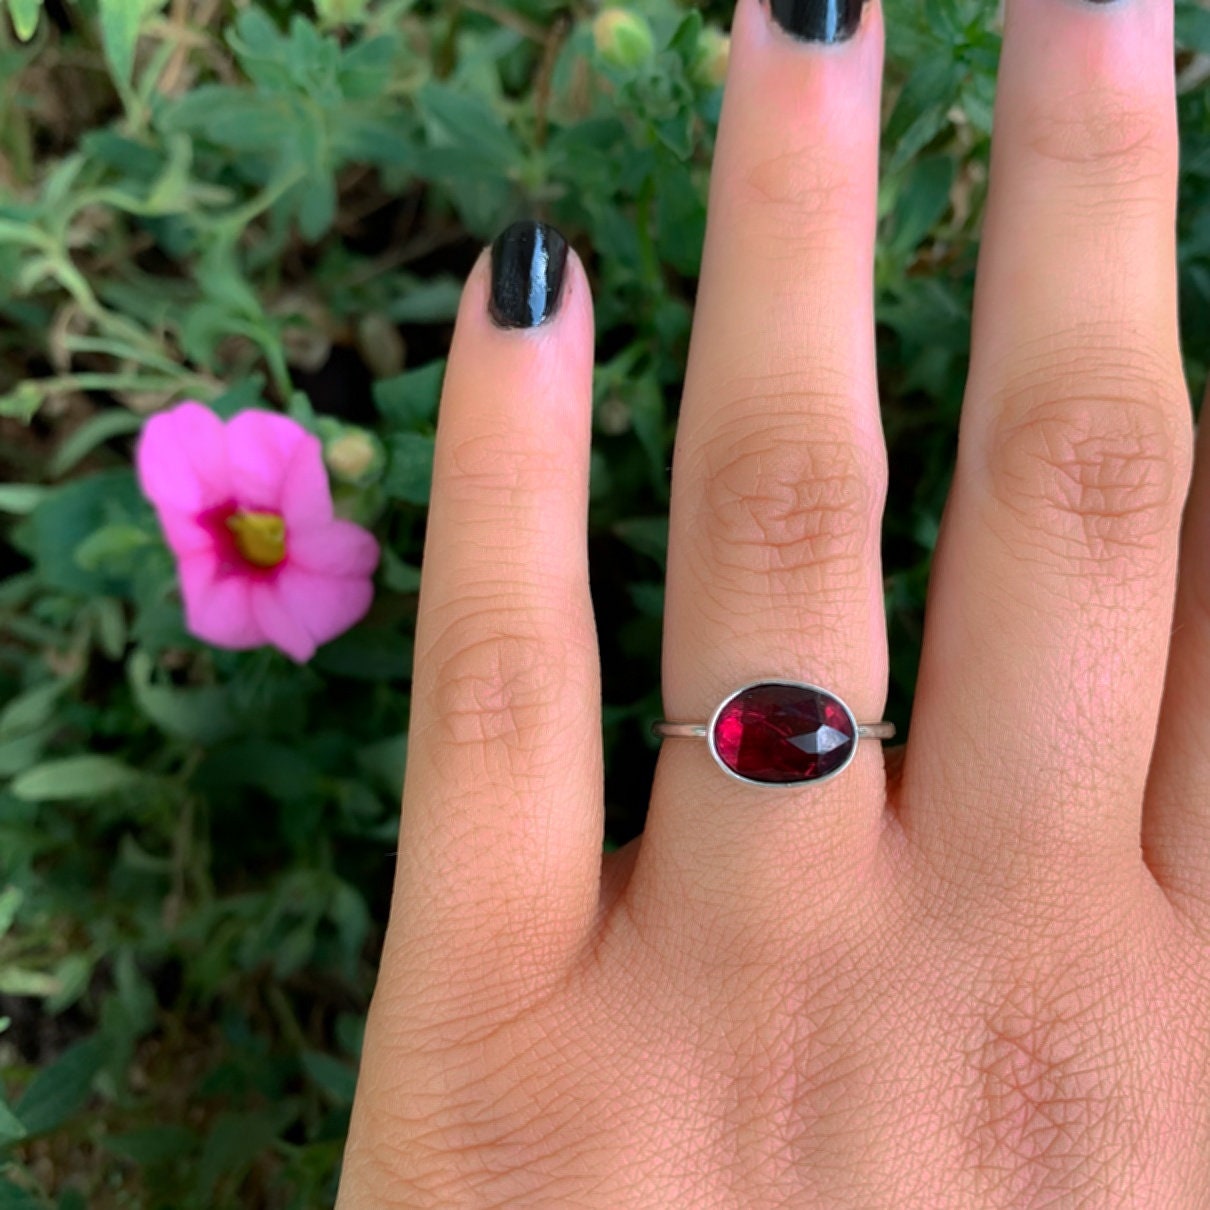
(780,466)
(499,850)
(1176,814)
(1051,602)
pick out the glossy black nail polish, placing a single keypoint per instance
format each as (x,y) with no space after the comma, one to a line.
(527,274)
(818,20)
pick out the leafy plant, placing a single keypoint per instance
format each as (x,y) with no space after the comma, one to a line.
(261,205)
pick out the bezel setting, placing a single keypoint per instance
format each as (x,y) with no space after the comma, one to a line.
(711,729)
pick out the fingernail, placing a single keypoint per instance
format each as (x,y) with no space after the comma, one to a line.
(818,20)
(527,274)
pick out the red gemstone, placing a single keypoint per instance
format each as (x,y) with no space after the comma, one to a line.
(784,733)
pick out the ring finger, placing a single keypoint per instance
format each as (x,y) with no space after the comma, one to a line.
(780,466)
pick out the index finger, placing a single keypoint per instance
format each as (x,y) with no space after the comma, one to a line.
(503,810)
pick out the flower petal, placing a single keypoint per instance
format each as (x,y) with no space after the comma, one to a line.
(280,625)
(182,459)
(306,495)
(277,466)
(326,605)
(183,534)
(336,548)
(218,606)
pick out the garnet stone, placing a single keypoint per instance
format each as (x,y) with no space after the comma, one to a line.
(783,733)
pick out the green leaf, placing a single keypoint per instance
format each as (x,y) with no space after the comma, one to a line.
(923,199)
(11,1129)
(366,653)
(366,68)
(10,902)
(24,750)
(21,498)
(247,393)
(69,515)
(152,1144)
(384,762)
(18,981)
(203,714)
(13,1197)
(234,1142)
(109,545)
(685,38)
(409,400)
(59,1091)
(648,599)
(22,402)
(61,182)
(75,777)
(467,125)
(921,110)
(93,432)
(110,622)
(171,191)
(348,912)
(426,302)
(120,21)
(25,17)
(647,535)
(331,1075)
(236,119)
(72,976)
(350,1032)
(280,771)
(316,205)
(409,474)
(386,140)
(397,575)
(1193,27)
(31,709)
(647,416)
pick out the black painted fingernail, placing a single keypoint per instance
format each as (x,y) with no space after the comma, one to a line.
(527,274)
(818,20)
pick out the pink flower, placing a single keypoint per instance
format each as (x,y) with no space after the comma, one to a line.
(246,509)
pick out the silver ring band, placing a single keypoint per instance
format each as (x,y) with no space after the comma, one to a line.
(775,732)
(883,730)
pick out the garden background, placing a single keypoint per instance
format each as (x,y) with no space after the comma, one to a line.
(259,203)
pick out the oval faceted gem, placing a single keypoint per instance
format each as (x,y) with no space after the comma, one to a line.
(782,734)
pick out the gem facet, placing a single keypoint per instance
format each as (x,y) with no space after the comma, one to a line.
(783,733)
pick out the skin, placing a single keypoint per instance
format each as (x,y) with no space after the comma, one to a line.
(972,972)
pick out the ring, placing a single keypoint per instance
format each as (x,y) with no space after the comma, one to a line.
(780,733)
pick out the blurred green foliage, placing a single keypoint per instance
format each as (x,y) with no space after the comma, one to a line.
(270,203)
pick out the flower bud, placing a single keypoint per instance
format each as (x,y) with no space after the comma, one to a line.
(613,415)
(340,12)
(622,37)
(354,455)
(710,61)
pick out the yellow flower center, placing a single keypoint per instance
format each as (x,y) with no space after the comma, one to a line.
(259,537)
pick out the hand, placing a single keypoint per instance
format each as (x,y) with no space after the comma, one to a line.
(972,972)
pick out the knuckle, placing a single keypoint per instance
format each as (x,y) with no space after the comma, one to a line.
(507,469)
(1096,465)
(796,511)
(1056,1103)
(1105,133)
(499,681)
(802,195)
